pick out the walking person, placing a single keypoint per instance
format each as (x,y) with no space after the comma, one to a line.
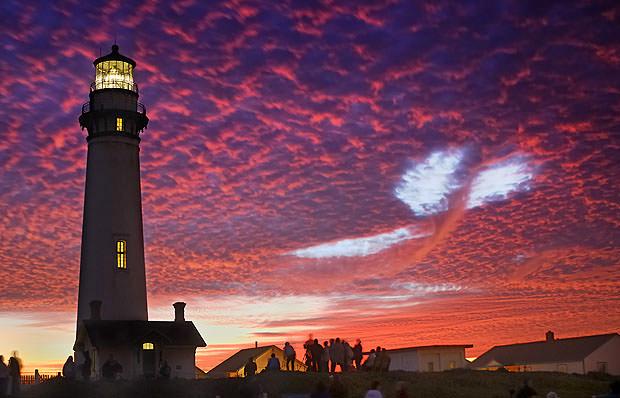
(4,377)
(289,354)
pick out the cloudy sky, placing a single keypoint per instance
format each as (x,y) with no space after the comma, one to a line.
(404,173)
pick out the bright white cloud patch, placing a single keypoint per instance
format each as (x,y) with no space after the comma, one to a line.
(426,186)
(498,181)
(359,246)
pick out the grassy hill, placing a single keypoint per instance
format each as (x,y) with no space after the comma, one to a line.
(458,383)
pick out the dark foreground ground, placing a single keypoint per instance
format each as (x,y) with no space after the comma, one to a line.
(458,383)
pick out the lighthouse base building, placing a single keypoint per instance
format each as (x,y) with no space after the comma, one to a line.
(142,348)
(114,338)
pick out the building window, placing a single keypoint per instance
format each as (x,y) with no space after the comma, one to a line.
(452,365)
(121,254)
(119,124)
(147,346)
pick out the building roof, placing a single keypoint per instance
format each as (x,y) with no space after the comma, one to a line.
(430,347)
(551,351)
(115,56)
(239,359)
(105,333)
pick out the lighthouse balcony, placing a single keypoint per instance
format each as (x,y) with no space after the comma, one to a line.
(139,107)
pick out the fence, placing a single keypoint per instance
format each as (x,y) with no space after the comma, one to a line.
(37,377)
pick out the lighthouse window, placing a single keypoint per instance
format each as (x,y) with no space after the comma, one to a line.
(147,346)
(121,254)
(119,124)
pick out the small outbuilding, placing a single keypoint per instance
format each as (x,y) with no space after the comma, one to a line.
(584,354)
(432,358)
(233,366)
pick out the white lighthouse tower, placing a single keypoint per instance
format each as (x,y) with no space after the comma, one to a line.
(112,317)
(112,258)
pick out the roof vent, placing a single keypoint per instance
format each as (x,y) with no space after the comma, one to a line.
(549,336)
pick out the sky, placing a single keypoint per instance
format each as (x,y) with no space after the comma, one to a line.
(406,173)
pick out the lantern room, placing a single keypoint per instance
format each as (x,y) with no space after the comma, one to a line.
(114,71)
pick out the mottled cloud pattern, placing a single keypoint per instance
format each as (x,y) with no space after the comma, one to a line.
(400,172)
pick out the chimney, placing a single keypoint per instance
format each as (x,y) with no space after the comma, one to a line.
(256,344)
(95,310)
(179,311)
(549,336)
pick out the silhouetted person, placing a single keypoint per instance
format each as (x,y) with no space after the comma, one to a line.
(358,354)
(289,354)
(15,369)
(4,377)
(370,361)
(374,391)
(320,391)
(325,358)
(337,389)
(526,391)
(385,361)
(317,352)
(111,368)
(332,364)
(68,369)
(378,359)
(86,365)
(164,371)
(274,363)
(348,356)
(249,369)
(338,357)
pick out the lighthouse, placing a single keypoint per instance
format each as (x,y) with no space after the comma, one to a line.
(112,257)
(112,313)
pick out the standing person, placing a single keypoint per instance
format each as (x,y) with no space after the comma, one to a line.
(289,354)
(317,353)
(332,364)
(68,369)
(358,354)
(274,363)
(15,368)
(338,358)
(374,391)
(370,361)
(385,365)
(325,357)
(250,367)
(348,356)
(86,365)
(4,377)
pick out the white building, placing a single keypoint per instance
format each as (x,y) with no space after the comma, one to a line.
(112,316)
(599,353)
(433,358)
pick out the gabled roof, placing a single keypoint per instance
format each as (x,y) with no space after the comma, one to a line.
(239,359)
(123,333)
(553,351)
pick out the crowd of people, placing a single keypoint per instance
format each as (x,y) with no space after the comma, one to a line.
(10,375)
(331,356)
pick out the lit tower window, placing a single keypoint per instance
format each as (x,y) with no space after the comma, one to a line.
(119,124)
(121,254)
(147,346)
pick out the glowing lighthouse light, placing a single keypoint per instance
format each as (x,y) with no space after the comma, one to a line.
(114,71)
